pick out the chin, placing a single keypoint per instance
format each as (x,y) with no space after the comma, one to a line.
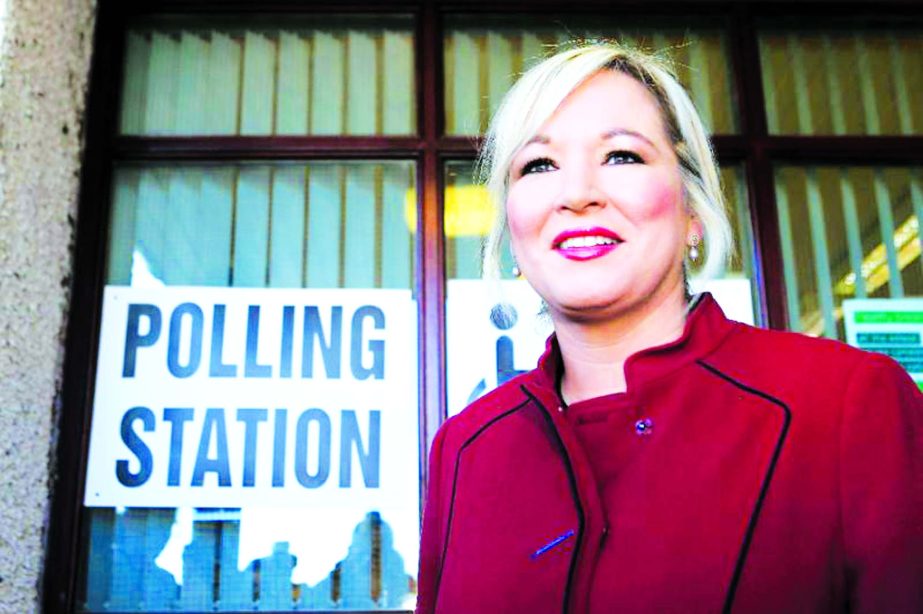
(589,306)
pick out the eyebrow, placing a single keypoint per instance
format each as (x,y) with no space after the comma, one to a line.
(624,131)
(541,139)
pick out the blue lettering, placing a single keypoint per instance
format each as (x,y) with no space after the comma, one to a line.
(134,340)
(251,419)
(195,340)
(214,423)
(178,417)
(376,347)
(251,367)
(278,448)
(288,332)
(137,446)
(217,367)
(369,461)
(331,351)
(323,448)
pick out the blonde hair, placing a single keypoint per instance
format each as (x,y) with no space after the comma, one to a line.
(539,92)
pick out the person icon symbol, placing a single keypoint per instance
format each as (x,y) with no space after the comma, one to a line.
(504,317)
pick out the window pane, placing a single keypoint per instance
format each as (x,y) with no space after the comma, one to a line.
(843,81)
(235,461)
(255,76)
(496,329)
(484,56)
(847,232)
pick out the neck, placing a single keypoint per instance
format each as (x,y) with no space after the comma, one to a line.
(594,352)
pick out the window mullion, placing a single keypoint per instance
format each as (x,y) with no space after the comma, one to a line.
(768,257)
(431,257)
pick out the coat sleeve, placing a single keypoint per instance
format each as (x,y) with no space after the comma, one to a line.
(881,486)
(432,540)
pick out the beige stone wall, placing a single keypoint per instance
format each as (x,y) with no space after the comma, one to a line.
(45,48)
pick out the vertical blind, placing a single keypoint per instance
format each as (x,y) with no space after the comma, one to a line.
(321,225)
(843,81)
(850,231)
(285,80)
(481,63)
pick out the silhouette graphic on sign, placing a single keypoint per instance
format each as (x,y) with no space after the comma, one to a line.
(123,575)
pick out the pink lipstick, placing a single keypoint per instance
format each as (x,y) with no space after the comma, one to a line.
(586,243)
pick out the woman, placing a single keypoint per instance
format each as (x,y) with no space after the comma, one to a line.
(661,458)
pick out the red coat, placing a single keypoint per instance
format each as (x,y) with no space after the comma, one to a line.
(752,471)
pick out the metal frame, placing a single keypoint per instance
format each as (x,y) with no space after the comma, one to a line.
(430,148)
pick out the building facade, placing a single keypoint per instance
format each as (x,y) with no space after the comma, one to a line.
(233,324)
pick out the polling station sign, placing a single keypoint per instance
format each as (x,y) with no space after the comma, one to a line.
(234,397)
(893,327)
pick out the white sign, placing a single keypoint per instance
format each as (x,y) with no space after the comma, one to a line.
(891,326)
(235,397)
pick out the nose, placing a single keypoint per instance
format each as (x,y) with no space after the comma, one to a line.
(579,189)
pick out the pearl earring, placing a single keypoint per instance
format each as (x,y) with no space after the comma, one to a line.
(694,248)
(515,271)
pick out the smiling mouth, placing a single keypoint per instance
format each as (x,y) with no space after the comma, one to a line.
(586,243)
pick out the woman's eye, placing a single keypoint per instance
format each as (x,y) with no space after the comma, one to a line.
(623,157)
(539,165)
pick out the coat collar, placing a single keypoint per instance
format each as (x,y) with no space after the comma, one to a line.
(706,327)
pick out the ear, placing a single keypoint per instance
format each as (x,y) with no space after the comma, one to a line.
(694,229)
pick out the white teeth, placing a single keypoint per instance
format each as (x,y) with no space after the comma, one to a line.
(586,242)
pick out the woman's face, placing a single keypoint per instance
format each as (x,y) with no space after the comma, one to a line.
(595,208)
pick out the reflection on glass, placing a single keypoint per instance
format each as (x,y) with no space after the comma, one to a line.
(847,232)
(286,225)
(484,57)
(843,81)
(257,76)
